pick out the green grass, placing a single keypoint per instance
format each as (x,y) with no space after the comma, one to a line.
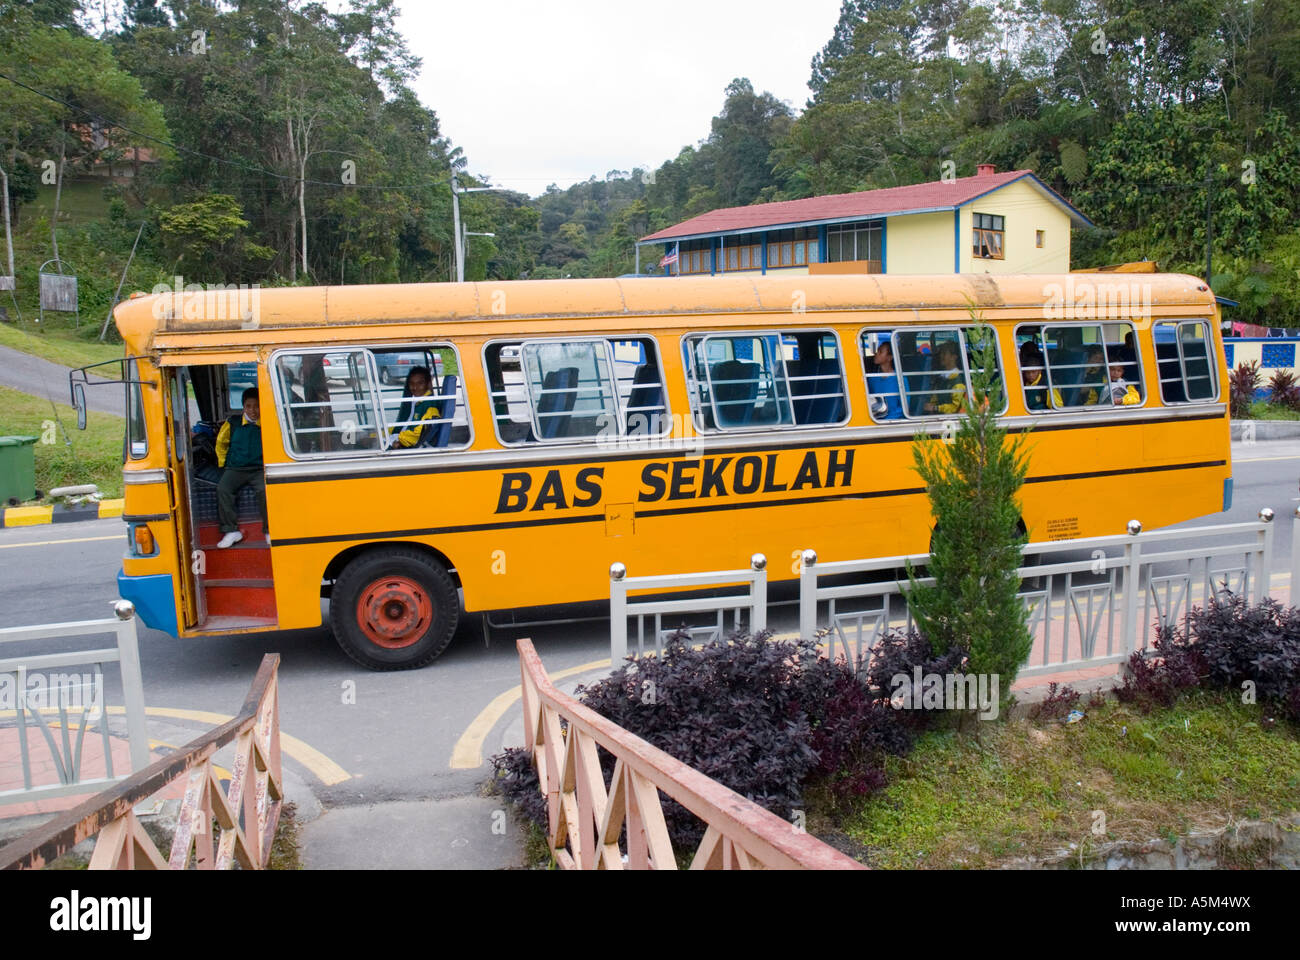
(1029,789)
(73,456)
(1263,410)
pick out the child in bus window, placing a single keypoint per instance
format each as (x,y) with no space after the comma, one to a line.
(1122,393)
(239,454)
(1092,383)
(418,405)
(949,384)
(1032,374)
(882,385)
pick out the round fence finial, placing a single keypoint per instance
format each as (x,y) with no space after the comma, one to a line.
(1134,527)
(809,557)
(1266,515)
(758,561)
(124,609)
(617,571)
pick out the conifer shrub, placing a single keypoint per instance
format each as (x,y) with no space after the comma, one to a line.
(972,480)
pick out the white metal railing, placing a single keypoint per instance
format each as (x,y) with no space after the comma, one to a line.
(64,695)
(1082,612)
(752,598)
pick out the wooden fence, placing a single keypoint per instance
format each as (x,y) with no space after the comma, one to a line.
(587,819)
(245,814)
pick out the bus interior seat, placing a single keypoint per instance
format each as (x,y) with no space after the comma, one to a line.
(564,383)
(646,401)
(822,378)
(440,433)
(735,389)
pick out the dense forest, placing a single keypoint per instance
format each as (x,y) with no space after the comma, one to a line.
(275,141)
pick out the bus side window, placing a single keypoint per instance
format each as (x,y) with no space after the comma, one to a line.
(738,381)
(571,388)
(404,412)
(880,364)
(641,388)
(1183,351)
(328,401)
(816,379)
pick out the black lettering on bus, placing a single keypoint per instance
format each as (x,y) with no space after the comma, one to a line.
(657,485)
(769,479)
(755,468)
(552,492)
(586,482)
(835,468)
(809,474)
(683,487)
(711,481)
(514,492)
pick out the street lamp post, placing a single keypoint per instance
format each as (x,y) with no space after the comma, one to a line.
(458,231)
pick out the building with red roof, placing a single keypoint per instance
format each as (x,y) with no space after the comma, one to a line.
(990,223)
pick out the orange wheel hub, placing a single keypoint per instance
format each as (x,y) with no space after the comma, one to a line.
(394,612)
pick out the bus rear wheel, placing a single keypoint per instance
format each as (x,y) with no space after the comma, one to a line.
(394,609)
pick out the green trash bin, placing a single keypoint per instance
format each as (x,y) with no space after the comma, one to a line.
(17,469)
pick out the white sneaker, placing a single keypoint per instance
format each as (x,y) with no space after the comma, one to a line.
(230,539)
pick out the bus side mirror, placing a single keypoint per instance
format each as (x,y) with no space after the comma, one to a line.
(79,401)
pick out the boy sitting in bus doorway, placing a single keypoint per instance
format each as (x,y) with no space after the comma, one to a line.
(239,454)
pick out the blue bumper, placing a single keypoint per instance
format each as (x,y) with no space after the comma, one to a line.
(154,599)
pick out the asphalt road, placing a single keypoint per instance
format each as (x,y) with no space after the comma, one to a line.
(396,740)
(43,378)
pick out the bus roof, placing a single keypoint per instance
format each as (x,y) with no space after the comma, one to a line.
(296,308)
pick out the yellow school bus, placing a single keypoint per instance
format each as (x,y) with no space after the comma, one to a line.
(670,424)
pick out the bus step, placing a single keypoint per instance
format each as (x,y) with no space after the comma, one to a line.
(239,598)
(238,564)
(210,533)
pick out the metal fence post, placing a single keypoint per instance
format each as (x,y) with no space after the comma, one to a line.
(617,614)
(1265,554)
(808,594)
(1132,576)
(1294,598)
(128,649)
(758,594)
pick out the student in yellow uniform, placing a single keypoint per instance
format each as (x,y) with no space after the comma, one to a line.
(416,406)
(949,383)
(1122,393)
(239,454)
(1032,375)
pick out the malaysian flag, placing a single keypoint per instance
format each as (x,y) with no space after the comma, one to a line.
(669,258)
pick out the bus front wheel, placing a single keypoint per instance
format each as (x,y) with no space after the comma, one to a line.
(394,609)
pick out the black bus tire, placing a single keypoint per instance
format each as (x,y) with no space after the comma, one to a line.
(394,609)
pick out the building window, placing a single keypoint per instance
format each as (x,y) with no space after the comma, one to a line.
(987,236)
(854,242)
(1040,238)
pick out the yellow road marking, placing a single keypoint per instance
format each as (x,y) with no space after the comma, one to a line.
(46,543)
(468,752)
(325,769)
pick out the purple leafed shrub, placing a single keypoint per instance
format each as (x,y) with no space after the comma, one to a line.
(1057,704)
(1283,389)
(1159,680)
(1242,384)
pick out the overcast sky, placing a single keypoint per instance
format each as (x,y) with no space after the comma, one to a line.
(554,91)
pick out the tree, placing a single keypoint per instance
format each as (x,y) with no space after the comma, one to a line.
(972,482)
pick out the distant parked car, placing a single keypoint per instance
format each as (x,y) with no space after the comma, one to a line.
(394,367)
(510,355)
(337,367)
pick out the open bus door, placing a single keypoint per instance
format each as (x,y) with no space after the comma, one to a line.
(177,393)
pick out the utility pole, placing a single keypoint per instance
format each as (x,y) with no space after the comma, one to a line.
(1209,227)
(458,232)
